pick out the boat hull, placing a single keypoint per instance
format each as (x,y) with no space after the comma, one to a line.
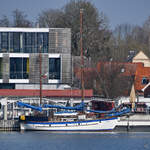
(88,125)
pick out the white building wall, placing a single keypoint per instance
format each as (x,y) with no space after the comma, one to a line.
(44,86)
(141,99)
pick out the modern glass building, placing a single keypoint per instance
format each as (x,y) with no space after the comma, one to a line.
(24,50)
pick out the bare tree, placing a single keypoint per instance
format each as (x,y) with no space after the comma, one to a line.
(146,28)
(51,18)
(112,81)
(127,37)
(4,21)
(20,19)
(95,27)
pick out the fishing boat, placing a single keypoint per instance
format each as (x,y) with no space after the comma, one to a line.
(77,118)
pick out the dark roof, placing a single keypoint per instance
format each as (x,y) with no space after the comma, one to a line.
(130,56)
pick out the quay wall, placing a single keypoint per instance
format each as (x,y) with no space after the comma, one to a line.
(134,123)
(9,125)
(136,117)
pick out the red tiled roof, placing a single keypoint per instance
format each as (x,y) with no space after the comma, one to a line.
(48,93)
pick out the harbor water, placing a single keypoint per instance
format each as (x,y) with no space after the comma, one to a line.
(74,141)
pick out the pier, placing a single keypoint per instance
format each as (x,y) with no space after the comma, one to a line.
(134,123)
(9,125)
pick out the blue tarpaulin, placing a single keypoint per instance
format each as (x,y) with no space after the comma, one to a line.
(122,112)
(21,104)
(78,107)
(101,112)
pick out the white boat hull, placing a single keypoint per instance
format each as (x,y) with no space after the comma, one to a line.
(88,125)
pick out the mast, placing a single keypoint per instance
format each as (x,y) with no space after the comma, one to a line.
(40,68)
(81,48)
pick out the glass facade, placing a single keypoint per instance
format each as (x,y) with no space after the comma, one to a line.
(1,68)
(54,68)
(24,42)
(7,86)
(4,42)
(17,48)
(19,68)
(14,42)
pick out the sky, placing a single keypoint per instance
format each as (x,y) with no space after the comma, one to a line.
(133,12)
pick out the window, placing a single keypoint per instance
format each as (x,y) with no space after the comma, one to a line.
(14,39)
(42,40)
(122,70)
(45,42)
(7,86)
(19,68)
(145,80)
(39,39)
(32,42)
(0,41)
(54,68)
(27,38)
(1,68)
(4,42)
(16,42)
(27,42)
